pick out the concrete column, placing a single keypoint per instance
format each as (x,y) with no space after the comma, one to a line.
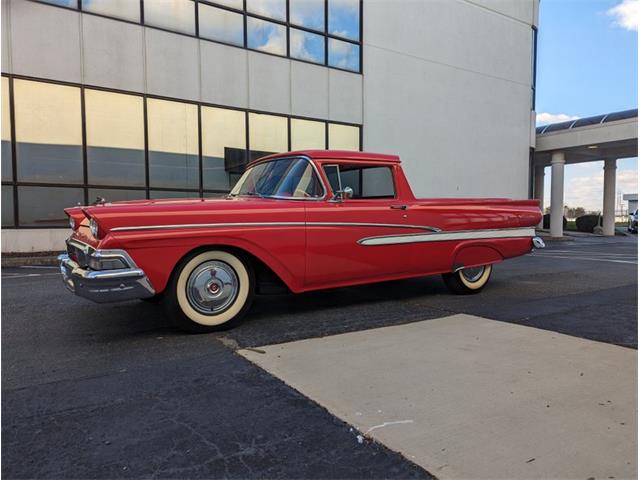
(539,188)
(609,198)
(557,193)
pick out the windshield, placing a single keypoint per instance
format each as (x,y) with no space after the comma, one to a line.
(282,177)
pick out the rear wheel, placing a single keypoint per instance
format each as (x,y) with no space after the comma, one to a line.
(210,291)
(468,280)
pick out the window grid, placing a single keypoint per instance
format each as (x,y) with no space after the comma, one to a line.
(147,188)
(247,14)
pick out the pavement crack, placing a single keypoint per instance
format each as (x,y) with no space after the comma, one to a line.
(386,424)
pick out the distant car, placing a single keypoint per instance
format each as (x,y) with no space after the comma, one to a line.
(633,222)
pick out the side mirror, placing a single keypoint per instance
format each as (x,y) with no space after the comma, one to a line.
(340,195)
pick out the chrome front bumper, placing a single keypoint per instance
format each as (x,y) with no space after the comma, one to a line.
(104,286)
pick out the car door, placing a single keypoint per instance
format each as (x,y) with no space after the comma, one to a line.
(335,228)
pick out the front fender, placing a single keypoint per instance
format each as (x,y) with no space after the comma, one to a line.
(158,253)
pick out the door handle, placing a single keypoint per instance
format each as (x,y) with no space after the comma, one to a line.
(399,207)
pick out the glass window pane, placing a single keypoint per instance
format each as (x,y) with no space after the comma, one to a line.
(237,4)
(268,8)
(221,25)
(7,169)
(344,18)
(266,36)
(44,206)
(127,9)
(157,194)
(307,135)
(64,3)
(173,144)
(114,195)
(267,135)
(377,182)
(344,137)
(224,144)
(48,132)
(7,206)
(281,177)
(115,138)
(178,15)
(306,46)
(344,55)
(307,13)
(332,173)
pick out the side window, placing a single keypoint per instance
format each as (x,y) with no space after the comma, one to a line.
(377,182)
(333,175)
(366,181)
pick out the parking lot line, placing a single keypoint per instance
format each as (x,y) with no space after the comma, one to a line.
(592,259)
(468,397)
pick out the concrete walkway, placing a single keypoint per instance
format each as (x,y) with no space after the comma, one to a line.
(467,397)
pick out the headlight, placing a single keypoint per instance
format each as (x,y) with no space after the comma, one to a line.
(72,223)
(93,227)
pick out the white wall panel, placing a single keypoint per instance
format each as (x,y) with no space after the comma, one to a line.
(34,240)
(452,32)
(457,133)
(6,65)
(309,90)
(269,83)
(172,64)
(45,41)
(224,74)
(522,10)
(112,53)
(345,96)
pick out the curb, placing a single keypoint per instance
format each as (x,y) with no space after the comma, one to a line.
(29,261)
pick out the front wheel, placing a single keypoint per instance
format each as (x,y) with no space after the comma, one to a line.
(209,291)
(468,280)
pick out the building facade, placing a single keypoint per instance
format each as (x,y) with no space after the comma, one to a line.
(133,99)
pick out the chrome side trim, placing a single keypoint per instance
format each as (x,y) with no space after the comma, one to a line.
(448,236)
(273,224)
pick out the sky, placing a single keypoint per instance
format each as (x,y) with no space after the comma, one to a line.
(587,65)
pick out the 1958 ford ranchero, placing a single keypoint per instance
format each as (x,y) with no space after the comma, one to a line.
(296,221)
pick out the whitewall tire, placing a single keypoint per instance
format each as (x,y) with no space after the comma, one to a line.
(469,280)
(210,290)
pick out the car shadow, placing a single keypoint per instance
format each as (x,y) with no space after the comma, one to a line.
(276,319)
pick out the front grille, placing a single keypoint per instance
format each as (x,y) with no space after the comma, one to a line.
(79,252)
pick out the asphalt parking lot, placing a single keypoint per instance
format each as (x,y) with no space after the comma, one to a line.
(113,391)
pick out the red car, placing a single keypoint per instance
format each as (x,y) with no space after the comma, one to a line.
(296,221)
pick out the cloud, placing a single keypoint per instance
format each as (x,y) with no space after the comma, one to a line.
(268,8)
(343,55)
(544,118)
(266,36)
(299,46)
(627,14)
(309,13)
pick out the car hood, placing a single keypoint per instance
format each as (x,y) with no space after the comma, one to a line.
(146,214)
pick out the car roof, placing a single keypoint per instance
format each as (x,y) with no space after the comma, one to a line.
(335,154)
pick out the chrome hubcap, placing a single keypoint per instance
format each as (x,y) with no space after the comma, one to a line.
(212,287)
(472,274)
